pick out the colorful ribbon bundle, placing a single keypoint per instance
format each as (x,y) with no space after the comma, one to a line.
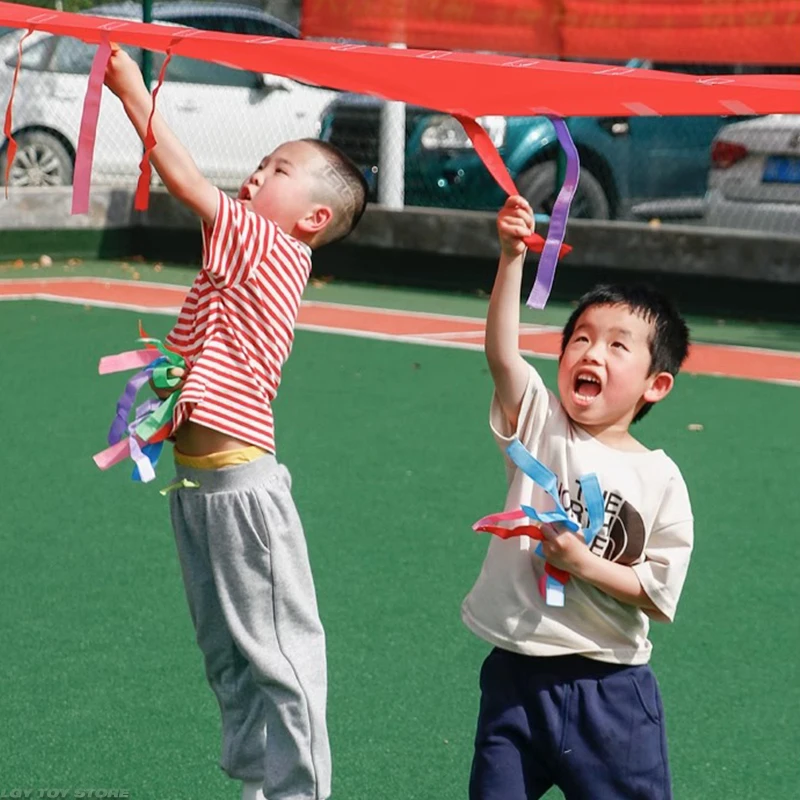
(143,438)
(554,581)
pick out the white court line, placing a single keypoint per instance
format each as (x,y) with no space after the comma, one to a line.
(93,302)
(410,339)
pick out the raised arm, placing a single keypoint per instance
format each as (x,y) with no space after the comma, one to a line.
(509,370)
(180,174)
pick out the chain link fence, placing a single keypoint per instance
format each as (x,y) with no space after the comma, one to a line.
(724,171)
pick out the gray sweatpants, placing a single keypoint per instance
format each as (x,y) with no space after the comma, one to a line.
(251,596)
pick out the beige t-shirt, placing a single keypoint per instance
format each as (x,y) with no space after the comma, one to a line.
(648,526)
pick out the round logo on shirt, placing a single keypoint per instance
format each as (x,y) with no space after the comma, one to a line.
(626,536)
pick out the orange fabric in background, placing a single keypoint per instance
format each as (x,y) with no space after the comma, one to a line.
(500,26)
(705,31)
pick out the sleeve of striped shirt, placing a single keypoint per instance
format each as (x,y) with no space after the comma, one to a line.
(236,244)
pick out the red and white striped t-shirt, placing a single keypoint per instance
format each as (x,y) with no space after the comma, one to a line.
(236,327)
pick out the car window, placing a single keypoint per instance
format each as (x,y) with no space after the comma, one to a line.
(233,24)
(729,69)
(190,70)
(34,57)
(771,69)
(697,69)
(72,56)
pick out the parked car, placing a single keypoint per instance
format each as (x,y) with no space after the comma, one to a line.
(625,161)
(228,118)
(755,177)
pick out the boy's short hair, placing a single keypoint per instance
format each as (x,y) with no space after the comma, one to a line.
(669,344)
(340,185)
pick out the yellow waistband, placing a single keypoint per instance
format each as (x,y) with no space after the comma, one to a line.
(227,458)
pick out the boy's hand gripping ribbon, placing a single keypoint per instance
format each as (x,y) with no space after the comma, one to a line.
(553,247)
(552,585)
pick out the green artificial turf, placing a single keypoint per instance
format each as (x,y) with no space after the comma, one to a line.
(102,683)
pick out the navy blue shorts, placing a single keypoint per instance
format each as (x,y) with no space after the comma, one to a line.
(595,730)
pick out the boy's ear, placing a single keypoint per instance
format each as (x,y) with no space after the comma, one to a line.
(660,386)
(316,220)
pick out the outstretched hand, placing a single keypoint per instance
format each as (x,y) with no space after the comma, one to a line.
(515,222)
(123,75)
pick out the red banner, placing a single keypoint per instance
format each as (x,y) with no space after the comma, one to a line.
(467,84)
(700,31)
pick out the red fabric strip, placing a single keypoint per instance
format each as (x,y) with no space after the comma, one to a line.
(142,198)
(8,127)
(493,161)
(468,84)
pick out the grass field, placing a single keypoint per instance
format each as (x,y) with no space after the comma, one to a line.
(103,686)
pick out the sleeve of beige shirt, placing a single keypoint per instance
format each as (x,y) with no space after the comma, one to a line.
(533,413)
(668,549)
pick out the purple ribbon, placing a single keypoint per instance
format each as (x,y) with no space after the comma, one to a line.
(143,456)
(119,427)
(558,219)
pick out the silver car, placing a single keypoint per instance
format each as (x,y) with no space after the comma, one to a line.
(754,181)
(228,118)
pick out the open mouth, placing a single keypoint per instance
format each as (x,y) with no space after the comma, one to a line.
(587,388)
(245,194)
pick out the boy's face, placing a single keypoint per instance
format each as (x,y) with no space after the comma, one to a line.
(604,375)
(282,187)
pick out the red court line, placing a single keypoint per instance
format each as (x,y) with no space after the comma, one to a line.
(704,359)
(375,320)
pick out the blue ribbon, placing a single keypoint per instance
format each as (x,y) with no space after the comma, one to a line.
(547,480)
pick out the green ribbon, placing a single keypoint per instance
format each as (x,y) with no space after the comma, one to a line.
(162,379)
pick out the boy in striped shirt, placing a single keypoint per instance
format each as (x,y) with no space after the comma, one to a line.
(239,538)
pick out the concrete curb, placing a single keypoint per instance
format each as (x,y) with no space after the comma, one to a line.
(689,250)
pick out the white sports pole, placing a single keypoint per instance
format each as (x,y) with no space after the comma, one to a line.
(392,153)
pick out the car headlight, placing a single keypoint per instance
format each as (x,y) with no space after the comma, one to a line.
(445,133)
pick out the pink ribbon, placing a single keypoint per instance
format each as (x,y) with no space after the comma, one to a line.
(132,359)
(113,455)
(82,176)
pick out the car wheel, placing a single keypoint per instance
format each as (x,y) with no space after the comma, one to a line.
(537,186)
(42,160)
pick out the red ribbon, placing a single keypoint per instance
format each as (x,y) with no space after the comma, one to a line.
(468,84)
(493,161)
(142,198)
(8,127)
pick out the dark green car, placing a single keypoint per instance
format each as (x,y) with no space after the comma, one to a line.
(630,166)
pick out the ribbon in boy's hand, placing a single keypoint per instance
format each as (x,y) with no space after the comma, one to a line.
(143,438)
(552,586)
(553,247)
